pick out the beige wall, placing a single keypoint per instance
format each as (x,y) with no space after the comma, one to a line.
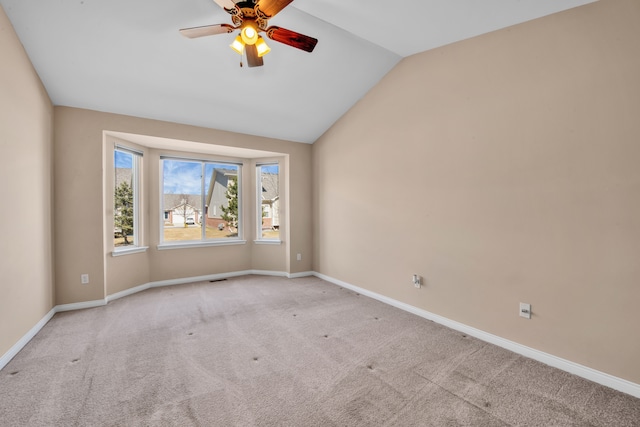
(503,169)
(83,246)
(26,279)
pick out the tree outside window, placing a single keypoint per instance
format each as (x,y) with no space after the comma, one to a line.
(125,208)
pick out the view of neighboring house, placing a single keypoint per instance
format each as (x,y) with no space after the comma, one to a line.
(122,175)
(178,208)
(182,208)
(187,208)
(270,201)
(217,195)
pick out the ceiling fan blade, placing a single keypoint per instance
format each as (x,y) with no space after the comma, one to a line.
(230,7)
(253,60)
(226,4)
(270,7)
(292,38)
(207,30)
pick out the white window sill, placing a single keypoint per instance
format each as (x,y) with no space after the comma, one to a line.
(184,245)
(129,251)
(268,242)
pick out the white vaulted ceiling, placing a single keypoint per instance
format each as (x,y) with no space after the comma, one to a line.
(127,56)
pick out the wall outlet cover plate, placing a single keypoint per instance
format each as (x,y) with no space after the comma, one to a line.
(525,310)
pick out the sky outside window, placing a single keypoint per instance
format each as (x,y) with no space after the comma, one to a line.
(123,160)
(184,177)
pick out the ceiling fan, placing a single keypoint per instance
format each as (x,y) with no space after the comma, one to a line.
(250,17)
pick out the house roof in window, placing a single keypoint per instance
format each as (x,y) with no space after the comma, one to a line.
(270,187)
(173,201)
(122,175)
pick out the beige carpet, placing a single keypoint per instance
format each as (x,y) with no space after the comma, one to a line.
(265,351)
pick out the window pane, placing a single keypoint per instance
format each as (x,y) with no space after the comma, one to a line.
(124,209)
(221,200)
(269,201)
(182,201)
(200,200)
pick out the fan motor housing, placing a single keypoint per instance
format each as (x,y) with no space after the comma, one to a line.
(249,14)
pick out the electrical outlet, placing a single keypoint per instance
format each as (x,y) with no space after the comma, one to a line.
(299,257)
(417,281)
(525,310)
(84,278)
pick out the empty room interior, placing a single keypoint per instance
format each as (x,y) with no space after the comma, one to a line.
(468,171)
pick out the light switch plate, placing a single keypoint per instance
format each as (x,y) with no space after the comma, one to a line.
(525,310)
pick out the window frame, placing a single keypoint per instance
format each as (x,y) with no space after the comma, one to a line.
(203,241)
(136,186)
(258,200)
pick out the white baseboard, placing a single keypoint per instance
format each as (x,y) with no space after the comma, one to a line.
(184,280)
(127,292)
(549,359)
(268,273)
(15,349)
(546,358)
(80,305)
(301,274)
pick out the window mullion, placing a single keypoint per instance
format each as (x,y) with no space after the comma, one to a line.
(203,224)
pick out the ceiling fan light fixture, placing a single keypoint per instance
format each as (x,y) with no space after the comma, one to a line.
(237,45)
(250,18)
(262,47)
(249,35)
